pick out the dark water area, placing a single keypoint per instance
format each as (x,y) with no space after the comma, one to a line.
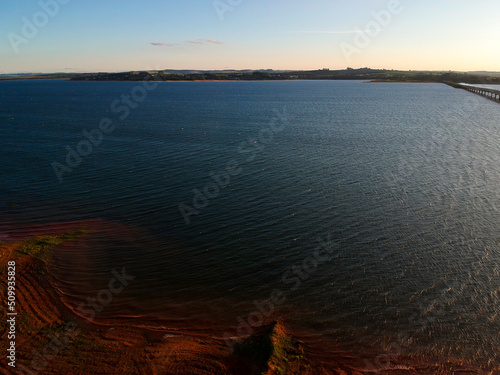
(400,180)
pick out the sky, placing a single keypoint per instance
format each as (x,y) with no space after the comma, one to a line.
(122,35)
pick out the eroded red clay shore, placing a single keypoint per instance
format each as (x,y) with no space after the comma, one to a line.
(52,339)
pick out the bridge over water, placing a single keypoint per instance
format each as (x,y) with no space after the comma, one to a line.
(488,93)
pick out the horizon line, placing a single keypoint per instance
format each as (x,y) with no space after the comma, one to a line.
(249,69)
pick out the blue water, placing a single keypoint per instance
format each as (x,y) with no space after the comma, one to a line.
(402,178)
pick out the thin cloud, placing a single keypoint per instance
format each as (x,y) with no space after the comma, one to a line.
(211,41)
(196,42)
(161,44)
(329,32)
(204,41)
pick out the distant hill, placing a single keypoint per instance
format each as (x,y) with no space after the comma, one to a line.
(26,76)
(378,75)
(367,74)
(484,73)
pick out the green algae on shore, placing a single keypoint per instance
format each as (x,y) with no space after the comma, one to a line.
(270,352)
(37,247)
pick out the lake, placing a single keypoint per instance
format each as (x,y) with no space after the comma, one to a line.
(366,213)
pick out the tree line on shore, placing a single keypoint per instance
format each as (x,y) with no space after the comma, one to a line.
(378,75)
(324,74)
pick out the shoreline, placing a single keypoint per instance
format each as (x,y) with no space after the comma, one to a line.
(326,74)
(219,80)
(143,345)
(139,346)
(365,80)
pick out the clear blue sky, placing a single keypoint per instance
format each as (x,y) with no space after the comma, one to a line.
(120,35)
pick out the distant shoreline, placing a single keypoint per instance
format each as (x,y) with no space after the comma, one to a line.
(141,345)
(32,78)
(363,74)
(387,81)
